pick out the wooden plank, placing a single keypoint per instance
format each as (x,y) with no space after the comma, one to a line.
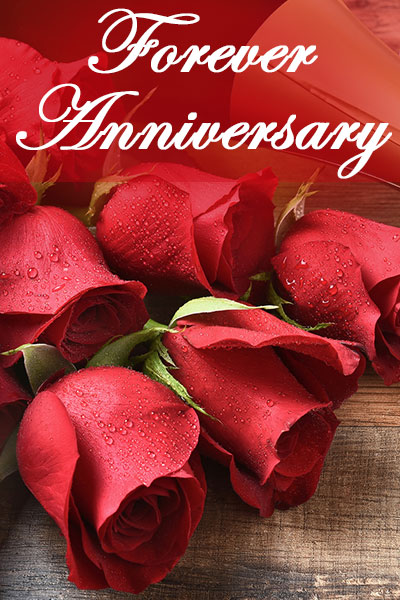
(376,201)
(373,405)
(342,545)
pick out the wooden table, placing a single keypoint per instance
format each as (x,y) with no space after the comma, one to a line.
(343,544)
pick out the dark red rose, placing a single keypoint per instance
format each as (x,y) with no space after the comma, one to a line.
(273,388)
(108,453)
(13,400)
(56,287)
(184,231)
(16,193)
(345,269)
(25,77)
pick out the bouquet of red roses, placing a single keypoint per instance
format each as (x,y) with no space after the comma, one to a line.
(265,328)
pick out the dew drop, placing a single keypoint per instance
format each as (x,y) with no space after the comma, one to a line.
(333,290)
(32,273)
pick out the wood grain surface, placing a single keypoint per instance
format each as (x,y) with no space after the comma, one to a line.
(344,544)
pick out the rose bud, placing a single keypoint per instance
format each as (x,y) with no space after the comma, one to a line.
(184,231)
(13,400)
(56,287)
(272,389)
(108,453)
(341,268)
(16,193)
(22,90)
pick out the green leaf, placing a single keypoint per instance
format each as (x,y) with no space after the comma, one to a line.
(41,362)
(8,457)
(157,370)
(36,170)
(117,352)
(294,210)
(210,304)
(101,190)
(164,354)
(261,277)
(257,277)
(274,297)
(247,294)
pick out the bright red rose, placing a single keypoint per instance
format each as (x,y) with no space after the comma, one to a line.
(13,400)
(345,269)
(16,193)
(55,286)
(272,388)
(108,453)
(184,231)
(25,77)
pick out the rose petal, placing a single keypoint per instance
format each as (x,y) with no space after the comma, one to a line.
(146,232)
(258,329)
(205,248)
(375,246)
(129,440)
(273,420)
(48,472)
(324,281)
(56,280)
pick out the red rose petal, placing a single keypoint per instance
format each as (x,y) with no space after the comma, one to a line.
(375,246)
(324,281)
(58,282)
(196,226)
(146,232)
(134,438)
(365,289)
(135,443)
(245,369)
(258,329)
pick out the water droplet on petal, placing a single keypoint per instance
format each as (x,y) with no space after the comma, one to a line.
(333,290)
(58,287)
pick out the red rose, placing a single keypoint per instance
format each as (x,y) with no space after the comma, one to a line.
(16,193)
(345,269)
(272,388)
(108,453)
(13,400)
(181,230)
(25,77)
(55,285)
